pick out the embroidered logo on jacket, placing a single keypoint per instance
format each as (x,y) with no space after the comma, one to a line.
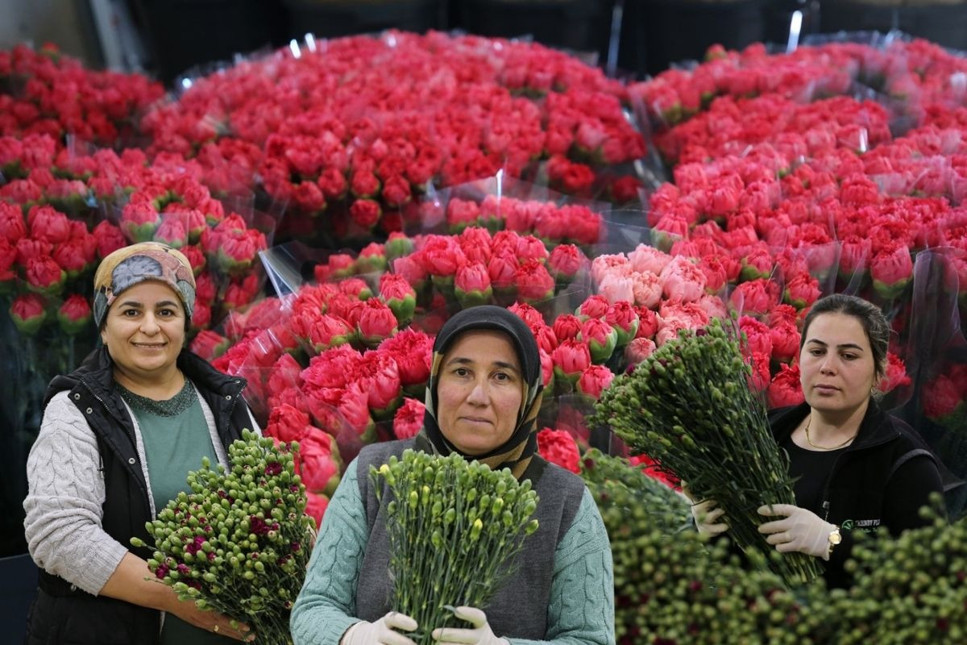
(862,525)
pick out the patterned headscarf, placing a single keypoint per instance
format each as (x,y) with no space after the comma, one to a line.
(516,453)
(134,264)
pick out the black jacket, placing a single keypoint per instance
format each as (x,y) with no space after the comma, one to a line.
(882,479)
(62,613)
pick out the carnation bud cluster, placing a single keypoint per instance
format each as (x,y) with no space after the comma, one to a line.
(670,585)
(455,528)
(239,542)
(674,586)
(689,407)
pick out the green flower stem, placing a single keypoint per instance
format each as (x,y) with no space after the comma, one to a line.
(455,528)
(689,407)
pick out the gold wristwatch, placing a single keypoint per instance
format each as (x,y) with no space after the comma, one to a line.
(834,538)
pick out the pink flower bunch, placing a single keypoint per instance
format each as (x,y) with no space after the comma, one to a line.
(590,125)
(579,351)
(530,68)
(373,120)
(802,75)
(825,219)
(45,92)
(45,258)
(731,125)
(921,74)
(944,395)
(477,267)
(669,293)
(916,74)
(571,223)
(927,162)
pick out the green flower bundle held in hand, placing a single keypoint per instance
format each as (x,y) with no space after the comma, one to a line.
(240,541)
(455,528)
(689,407)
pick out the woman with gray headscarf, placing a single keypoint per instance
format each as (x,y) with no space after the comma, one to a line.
(483,397)
(118,438)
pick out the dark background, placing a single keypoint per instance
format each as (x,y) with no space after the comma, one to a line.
(631,38)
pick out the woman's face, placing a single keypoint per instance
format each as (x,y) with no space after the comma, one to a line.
(479,391)
(836,364)
(144,330)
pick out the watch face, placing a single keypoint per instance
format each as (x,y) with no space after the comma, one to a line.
(835,537)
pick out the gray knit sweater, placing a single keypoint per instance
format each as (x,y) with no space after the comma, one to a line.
(65,495)
(347,578)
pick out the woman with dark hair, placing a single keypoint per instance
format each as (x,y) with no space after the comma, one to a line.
(118,438)
(856,467)
(483,397)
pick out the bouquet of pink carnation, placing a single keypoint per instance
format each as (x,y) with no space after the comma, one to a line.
(238,543)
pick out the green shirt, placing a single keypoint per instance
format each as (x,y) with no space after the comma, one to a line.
(175,437)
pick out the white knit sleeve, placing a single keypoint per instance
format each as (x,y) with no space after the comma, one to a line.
(64,498)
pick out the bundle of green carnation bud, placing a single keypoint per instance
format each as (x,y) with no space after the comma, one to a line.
(689,407)
(908,589)
(455,528)
(673,586)
(239,542)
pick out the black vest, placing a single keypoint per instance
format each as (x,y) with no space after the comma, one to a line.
(62,613)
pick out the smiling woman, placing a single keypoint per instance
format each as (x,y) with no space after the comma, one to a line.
(118,438)
(145,333)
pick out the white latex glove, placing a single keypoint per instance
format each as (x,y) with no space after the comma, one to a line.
(797,530)
(381,632)
(481,634)
(705,514)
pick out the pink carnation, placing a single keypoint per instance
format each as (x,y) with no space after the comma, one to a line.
(409,419)
(558,447)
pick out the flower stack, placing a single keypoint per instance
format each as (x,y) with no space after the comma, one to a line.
(689,407)
(455,528)
(239,542)
(367,124)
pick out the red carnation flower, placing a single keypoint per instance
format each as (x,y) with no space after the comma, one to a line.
(75,314)
(559,447)
(409,418)
(28,312)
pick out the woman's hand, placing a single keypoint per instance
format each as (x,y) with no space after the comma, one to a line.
(212,621)
(381,632)
(133,582)
(798,530)
(706,514)
(480,634)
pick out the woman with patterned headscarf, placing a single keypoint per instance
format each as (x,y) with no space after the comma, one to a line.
(482,401)
(118,438)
